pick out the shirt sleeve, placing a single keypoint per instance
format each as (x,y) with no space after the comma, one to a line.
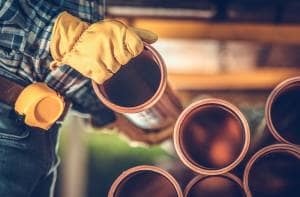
(25,26)
(25,33)
(85,101)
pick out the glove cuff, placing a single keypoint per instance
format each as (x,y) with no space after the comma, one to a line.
(66,31)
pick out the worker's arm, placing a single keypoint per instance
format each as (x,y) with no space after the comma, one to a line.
(85,101)
(25,26)
(95,50)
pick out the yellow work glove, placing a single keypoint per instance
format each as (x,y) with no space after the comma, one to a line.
(95,50)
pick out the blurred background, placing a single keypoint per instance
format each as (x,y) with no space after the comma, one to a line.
(238,50)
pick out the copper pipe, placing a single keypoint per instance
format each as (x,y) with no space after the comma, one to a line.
(282,111)
(140,91)
(146,181)
(211,136)
(217,185)
(273,171)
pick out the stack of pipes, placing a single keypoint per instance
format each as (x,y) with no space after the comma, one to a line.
(211,136)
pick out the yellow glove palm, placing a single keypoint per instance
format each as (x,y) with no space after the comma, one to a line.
(98,50)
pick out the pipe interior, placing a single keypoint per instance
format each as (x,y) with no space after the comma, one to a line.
(212,137)
(135,83)
(285,114)
(216,186)
(146,184)
(275,174)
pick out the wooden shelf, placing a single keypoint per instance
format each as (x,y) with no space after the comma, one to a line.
(259,79)
(193,29)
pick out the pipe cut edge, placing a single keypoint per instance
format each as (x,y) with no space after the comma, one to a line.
(264,151)
(274,94)
(149,103)
(198,178)
(141,168)
(191,108)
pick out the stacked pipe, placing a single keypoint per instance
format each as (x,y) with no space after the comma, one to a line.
(274,170)
(211,136)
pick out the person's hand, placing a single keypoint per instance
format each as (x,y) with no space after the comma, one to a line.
(95,50)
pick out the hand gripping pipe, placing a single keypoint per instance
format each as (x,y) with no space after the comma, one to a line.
(139,90)
(211,136)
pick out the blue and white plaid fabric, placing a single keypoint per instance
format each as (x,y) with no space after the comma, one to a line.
(25,33)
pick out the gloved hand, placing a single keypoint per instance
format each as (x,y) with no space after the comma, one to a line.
(98,50)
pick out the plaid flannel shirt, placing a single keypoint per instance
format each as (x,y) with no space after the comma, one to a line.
(25,32)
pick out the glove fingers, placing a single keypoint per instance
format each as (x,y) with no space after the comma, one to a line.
(119,47)
(122,55)
(133,43)
(145,35)
(96,71)
(100,74)
(110,57)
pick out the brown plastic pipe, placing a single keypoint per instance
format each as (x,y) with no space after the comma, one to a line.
(273,171)
(211,136)
(140,91)
(216,185)
(145,181)
(282,111)
(281,120)
(281,117)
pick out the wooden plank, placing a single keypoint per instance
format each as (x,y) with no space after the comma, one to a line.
(266,33)
(259,79)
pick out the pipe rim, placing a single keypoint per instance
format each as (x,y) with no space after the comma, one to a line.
(291,149)
(198,178)
(177,129)
(136,169)
(274,94)
(150,102)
